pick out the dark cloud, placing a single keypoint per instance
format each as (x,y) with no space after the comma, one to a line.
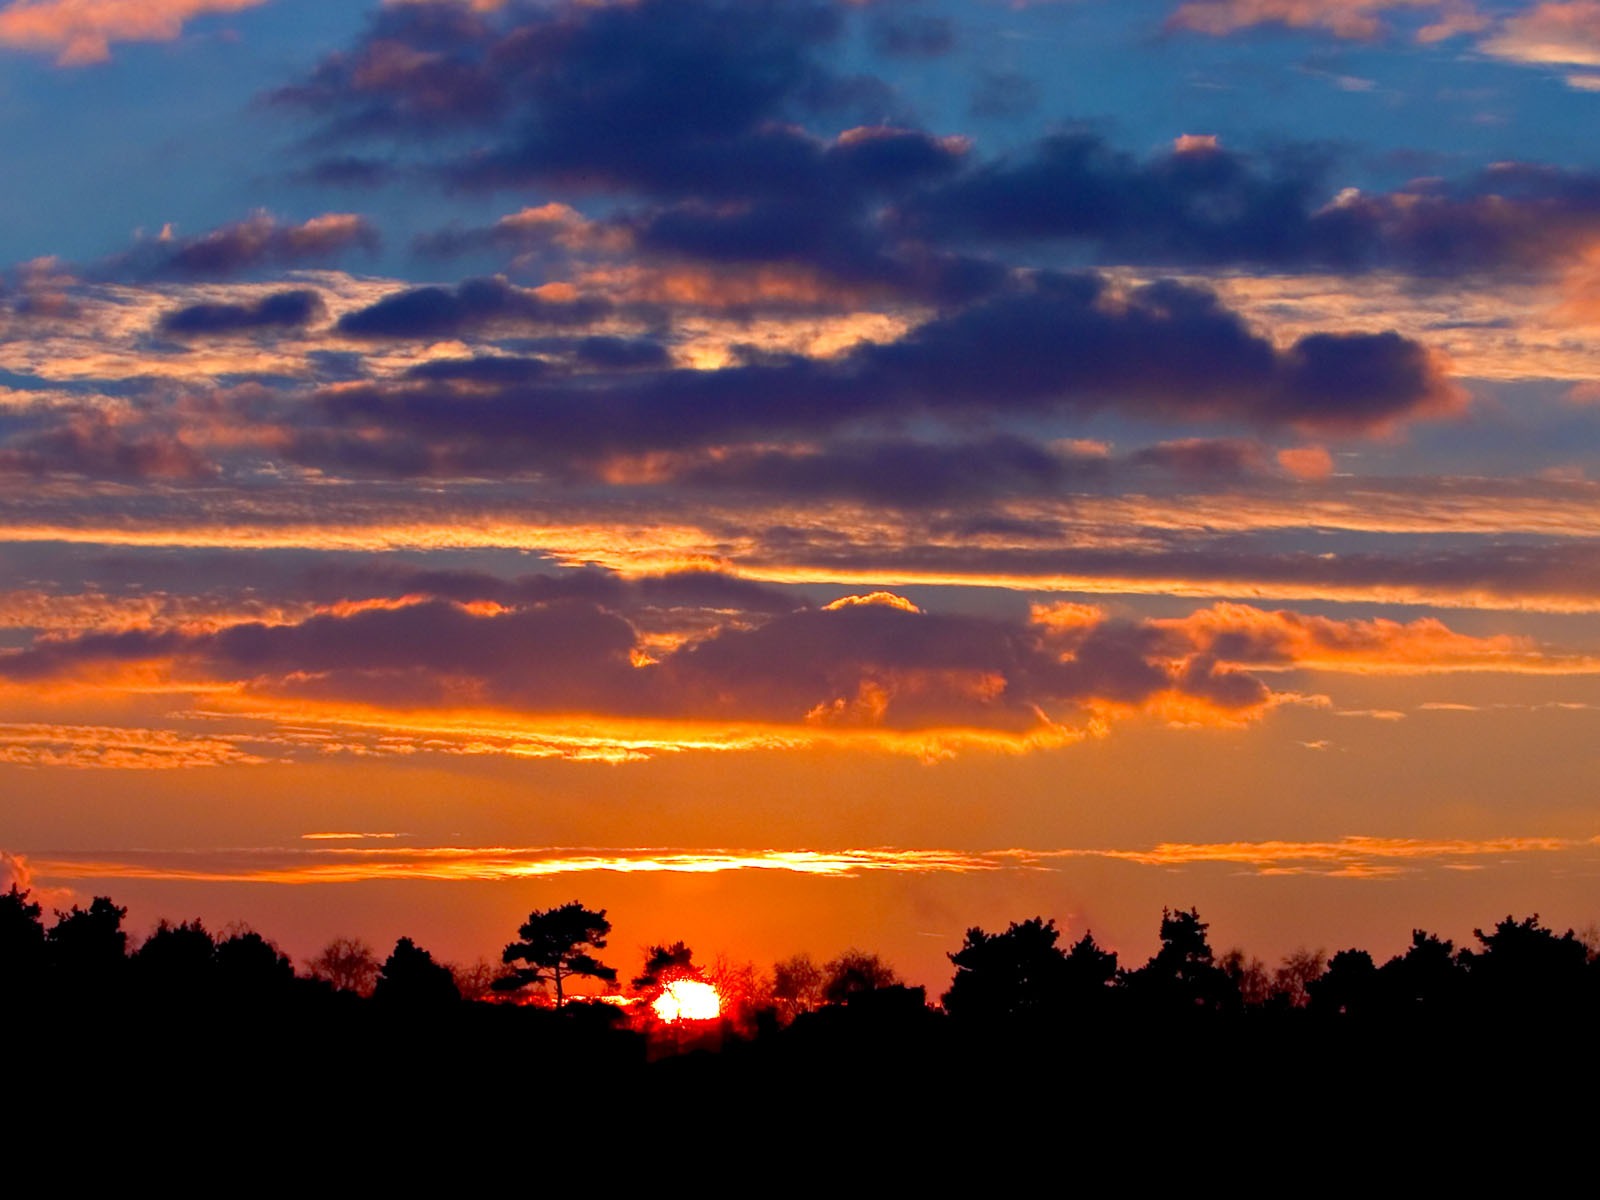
(1059,345)
(500,370)
(901,474)
(622,354)
(259,241)
(1205,205)
(670,96)
(1201,205)
(280,310)
(722,117)
(439,312)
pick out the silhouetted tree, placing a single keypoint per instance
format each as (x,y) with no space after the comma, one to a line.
(1427,977)
(1348,986)
(177,959)
(662,965)
(1182,974)
(349,964)
(1524,965)
(409,978)
(796,986)
(87,946)
(556,944)
(853,972)
(1017,974)
(1090,970)
(21,936)
(250,965)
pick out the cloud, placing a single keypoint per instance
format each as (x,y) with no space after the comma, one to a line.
(866,665)
(259,241)
(528,231)
(94,442)
(573,83)
(1357,19)
(436,312)
(1203,204)
(1558,32)
(640,679)
(280,310)
(1356,857)
(120,748)
(1065,345)
(1245,636)
(79,32)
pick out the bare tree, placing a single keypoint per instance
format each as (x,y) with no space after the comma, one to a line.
(1295,975)
(796,986)
(475,980)
(349,964)
(1249,975)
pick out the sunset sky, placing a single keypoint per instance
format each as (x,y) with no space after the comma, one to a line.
(802,473)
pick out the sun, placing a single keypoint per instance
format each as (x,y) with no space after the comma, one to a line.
(688,1000)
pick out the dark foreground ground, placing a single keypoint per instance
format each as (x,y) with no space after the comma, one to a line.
(856,1097)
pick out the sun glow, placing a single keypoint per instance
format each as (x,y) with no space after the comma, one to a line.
(688,1000)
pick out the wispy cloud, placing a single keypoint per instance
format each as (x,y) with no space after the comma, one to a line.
(79,32)
(1348,857)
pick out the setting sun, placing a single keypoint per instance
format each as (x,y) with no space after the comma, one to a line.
(688,1000)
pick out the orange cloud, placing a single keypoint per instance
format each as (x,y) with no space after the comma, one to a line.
(1306,462)
(885,599)
(78,32)
(103,747)
(1353,857)
(1262,640)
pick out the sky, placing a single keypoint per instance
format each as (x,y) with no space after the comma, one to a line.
(801,474)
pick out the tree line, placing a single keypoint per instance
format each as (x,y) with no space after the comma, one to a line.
(217,1033)
(1020,976)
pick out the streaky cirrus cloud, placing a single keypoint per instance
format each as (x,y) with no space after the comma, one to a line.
(1356,857)
(118,747)
(79,32)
